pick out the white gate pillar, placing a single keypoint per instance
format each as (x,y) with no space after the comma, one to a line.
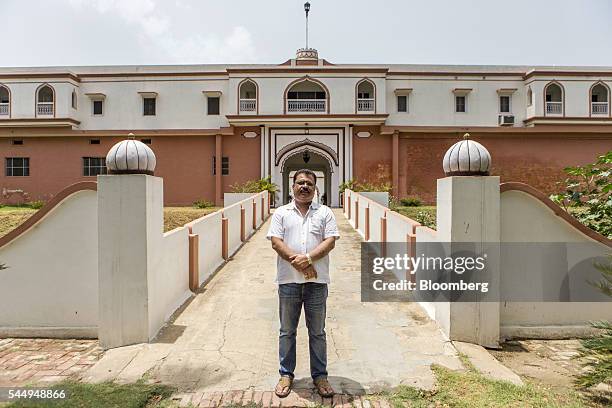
(468,210)
(130,217)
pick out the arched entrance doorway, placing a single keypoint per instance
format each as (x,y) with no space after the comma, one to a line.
(307,159)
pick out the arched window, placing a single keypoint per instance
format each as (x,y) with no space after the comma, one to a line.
(600,99)
(73,99)
(45,100)
(247,92)
(529,97)
(5,101)
(553,94)
(307,96)
(366,96)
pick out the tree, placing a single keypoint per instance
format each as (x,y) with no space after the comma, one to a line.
(588,189)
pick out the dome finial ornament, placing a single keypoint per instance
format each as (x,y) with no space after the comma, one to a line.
(130,156)
(467,158)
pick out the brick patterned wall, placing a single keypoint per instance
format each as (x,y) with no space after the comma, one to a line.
(529,158)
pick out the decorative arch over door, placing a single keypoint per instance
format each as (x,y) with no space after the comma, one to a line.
(306,142)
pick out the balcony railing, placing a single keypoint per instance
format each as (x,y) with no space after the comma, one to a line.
(306,105)
(248,105)
(44,108)
(365,105)
(4,107)
(599,108)
(554,108)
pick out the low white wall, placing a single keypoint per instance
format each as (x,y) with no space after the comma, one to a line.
(51,286)
(232,213)
(525,218)
(168,277)
(399,226)
(210,256)
(378,197)
(233,198)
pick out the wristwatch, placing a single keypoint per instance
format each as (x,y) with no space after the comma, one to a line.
(309,259)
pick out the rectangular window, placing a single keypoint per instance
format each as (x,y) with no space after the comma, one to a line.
(97,107)
(149,106)
(74,100)
(213,105)
(402,103)
(224,166)
(504,104)
(17,141)
(94,141)
(17,166)
(146,141)
(92,166)
(363,95)
(460,103)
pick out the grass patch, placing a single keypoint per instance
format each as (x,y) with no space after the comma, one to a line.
(175,217)
(426,214)
(12,216)
(470,389)
(105,395)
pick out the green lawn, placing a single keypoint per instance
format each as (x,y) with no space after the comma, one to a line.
(425,214)
(105,395)
(470,389)
(12,216)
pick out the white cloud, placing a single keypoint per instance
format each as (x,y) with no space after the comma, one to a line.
(157,34)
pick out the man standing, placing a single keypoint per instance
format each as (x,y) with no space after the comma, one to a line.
(303,232)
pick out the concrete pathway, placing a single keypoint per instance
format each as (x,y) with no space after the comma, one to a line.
(226,338)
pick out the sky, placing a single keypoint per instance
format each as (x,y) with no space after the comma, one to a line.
(151,32)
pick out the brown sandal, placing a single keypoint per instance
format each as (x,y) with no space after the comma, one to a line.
(284,381)
(322,385)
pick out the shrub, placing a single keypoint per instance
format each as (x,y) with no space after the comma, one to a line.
(425,218)
(411,202)
(597,351)
(590,187)
(378,181)
(203,204)
(37,204)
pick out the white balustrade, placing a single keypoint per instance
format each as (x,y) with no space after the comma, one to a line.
(306,105)
(554,108)
(599,108)
(44,108)
(365,105)
(4,108)
(248,105)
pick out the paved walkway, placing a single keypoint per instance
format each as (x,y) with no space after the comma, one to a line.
(35,361)
(227,337)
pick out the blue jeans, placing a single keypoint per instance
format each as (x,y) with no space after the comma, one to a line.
(291,297)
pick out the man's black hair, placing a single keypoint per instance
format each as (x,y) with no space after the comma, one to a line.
(306,172)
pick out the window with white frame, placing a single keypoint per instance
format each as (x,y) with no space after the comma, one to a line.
(402,99)
(97,107)
(92,166)
(17,166)
(504,103)
(402,103)
(148,105)
(460,103)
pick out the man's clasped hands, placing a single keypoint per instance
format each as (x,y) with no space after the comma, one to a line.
(302,263)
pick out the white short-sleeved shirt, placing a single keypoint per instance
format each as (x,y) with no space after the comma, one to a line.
(302,234)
